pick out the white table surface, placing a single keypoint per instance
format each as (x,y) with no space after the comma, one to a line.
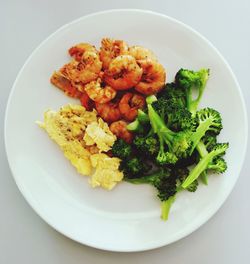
(24,237)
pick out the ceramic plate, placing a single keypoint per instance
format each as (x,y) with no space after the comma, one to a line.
(127,218)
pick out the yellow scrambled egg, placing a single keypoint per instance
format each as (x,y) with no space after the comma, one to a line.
(106,172)
(83,137)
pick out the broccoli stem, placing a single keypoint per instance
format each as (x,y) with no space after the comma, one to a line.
(203,164)
(135,126)
(197,170)
(142,117)
(150,99)
(159,126)
(201,148)
(165,207)
(200,132)
(204,177)
(192,105)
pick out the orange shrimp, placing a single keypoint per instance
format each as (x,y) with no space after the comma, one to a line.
(141,53)
(153,77)
(84,71)
(77,51)
(109,112)
(123,73)
(119,128)
(98,93)
(87,102)
(64,84)
(110,49)
(129,105)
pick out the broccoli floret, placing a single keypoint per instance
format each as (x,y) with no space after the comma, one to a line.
(206,144)
(208,119)
(172,92)
(175,115)
(209,140)
(165,183)
(121,149)
(177,143)
(193,186)
(218,165)
(146,145)
(191,81)
(204,163)
(134,167)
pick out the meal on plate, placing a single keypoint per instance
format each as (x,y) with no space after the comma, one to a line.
(133,126)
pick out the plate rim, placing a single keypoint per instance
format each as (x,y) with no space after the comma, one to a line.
(41,212)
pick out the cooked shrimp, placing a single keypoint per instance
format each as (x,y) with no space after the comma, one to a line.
(61,82)
(153,77)
(123,73)
(87,102)
(110,49)
(141,53)
(77,51)
(109,112)
(119,128)
(86,70)
(98,93)
(129,105)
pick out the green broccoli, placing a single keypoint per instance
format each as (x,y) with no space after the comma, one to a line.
(121,149)
(134,167)
(138,125)
(168,183)
(191,81)
(176,116)
(206,161)
(178,143)
(146,144)
(217,165)
(165,183)
(172,92)
(208,119)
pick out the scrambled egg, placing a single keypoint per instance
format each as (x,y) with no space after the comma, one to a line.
(99,134)
(106,172)
(83,137)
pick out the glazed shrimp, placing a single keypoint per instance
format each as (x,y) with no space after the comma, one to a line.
(64,84)
(123,73)
(110,49)
(87,102)
(141,53)
(119,128)
(153,77)
(109,112)
(86,70)
(98,93)
(129,105)
(77,51)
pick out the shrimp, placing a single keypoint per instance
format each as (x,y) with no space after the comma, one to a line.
(153,77)
(123,73)
(77,51)
(140,53)
(86,70)
(129,105)
(63,83)
(98,93)
(110,49)
(87,102)
(109,112)
(119,128)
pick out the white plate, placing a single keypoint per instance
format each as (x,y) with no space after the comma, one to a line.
(127,218)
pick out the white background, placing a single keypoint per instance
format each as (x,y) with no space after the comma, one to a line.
(24,237)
